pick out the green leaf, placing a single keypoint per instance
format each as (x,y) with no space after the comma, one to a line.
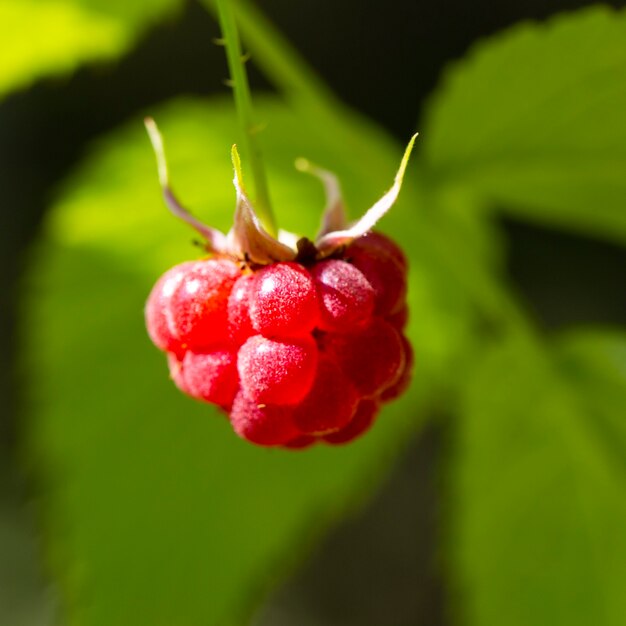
(532,122)
(540,486)
(136,15)
(53,37)
(24,601)
(156,512)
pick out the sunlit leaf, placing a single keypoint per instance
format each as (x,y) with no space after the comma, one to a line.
(540,487)
(532,121)
(53,37)
(157,513)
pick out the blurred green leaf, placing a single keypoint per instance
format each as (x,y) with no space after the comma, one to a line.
(52,37)
(540,486)
(156,512)
(136,15)
(24,601)
(533,122)
(594,362)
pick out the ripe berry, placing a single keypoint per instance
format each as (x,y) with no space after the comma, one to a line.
(400,319)
(159,330)
(211,376)
(404,380)
(372,358)
(197,308)
(238,310)
(329,405)
(265,425)
(274,371)
(360,423)
(299,443)
(346,297)
(176,372)
(384,272)
(378,243)
(299,341)
(283,302)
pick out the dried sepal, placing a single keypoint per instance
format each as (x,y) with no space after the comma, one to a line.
(247,238)
(249,242)
(331,241)
(215,240)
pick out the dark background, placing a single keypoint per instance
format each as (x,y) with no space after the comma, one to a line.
(383,58)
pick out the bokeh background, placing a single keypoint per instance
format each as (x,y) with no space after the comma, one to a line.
(384,564)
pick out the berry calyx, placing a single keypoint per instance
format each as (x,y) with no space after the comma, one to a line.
(298,341)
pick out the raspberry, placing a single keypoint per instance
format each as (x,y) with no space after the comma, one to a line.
(295,355)
(159,331)
(265,425)
(299,443)
(196,313)
(273,371)
(404,380)
(360,423)
(211,376)
(346,297)
(176,372)
(329,405)
(283,302)
(384,272)
(381,244)
(400,319)
(238,308)
(300,341)
(372,359)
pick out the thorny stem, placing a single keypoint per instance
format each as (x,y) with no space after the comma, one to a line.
(243,102)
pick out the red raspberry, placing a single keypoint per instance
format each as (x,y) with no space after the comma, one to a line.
(299,443)
(361,422)
(372,358)
(403,382)
(381,244)
(299,340)
(176,372)
(346,298)
(283,302)
(265,425)
(384,272)
(329,405)
(207,316)
(158,302)
(273,371)
(400,319)
(211,376)
(239,324)
(197,309)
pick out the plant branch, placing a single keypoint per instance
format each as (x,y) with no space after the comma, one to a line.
(243,102)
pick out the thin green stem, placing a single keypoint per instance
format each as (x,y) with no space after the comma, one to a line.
(243,102)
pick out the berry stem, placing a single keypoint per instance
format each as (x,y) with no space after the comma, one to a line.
(243,102)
